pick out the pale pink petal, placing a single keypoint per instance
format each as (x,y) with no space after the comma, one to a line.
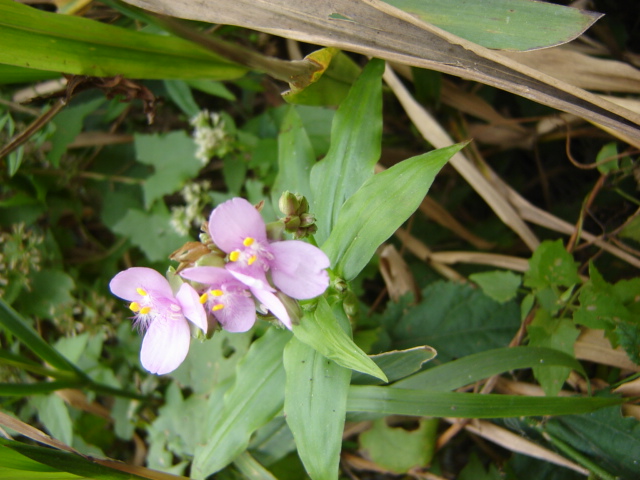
(125,284)
(233,221)
(165,345)
(238,314)
(298,269)
(274,305)
(208,275)
(191,307)
(258,282)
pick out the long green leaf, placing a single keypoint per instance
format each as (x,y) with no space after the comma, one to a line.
(255,398)
(23,389)
(472,368)
(396,401)
(503,24)
(61,43)
(315,407)
(356,134)
(295,158)
(396,364)
(14,323)
(320,329)
(379,207)
(67,462)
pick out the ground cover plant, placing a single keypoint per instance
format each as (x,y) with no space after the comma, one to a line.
(330,240)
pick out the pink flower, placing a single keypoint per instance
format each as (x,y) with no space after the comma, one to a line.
(297,268)
(161,315)
(226,298)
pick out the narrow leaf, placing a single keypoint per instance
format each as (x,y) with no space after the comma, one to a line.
(356,134)
(320,329)
(315,407)
(255,398)
(296,157)
(472,368)
(396,364)
(14,323)
(379,207)
(46,41)
(421,403)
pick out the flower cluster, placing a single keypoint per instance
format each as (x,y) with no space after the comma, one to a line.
(254,275)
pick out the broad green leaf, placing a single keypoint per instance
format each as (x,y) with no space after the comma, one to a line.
(72,347)
(295,158)
(398,450)
(453,318)
(607,158)
(151,232)
(474,470)
(503,24)
(606,437)
(551,265)
(255,398)
(334,84)
(356,134)
(471,368)
(69,124)
(315,407)
(421,403)
(46,41)
(383,203)
(500,285)
(54,415)
(172,157)
(213,361)
(557,333)
(632,229)
(18,326)
(53,293)
(396,364)
(320,329)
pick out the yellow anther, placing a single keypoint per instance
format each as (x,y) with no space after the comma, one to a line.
(234,256)
(134,306)
(141,291)
(203,297)
(247,242)
(217,307)
(145,310)
(216,293)
(252,259)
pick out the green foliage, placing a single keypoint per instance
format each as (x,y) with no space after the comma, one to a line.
(500,285)
(399,450)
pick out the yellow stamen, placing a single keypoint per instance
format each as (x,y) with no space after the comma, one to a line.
(145,310)
(216,293)
(217,307)
(203,297)
(234,256)
(141,291)
(247,242)
(134,306)
(252,259)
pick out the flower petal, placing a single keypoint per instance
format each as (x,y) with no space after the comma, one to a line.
(208,275)
(239,312)
(125,284)
(298,269)
(258,282)
(274,305)
(191,307)
(233,221)
(165,345)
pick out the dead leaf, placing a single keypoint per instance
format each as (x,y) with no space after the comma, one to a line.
(375,28)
